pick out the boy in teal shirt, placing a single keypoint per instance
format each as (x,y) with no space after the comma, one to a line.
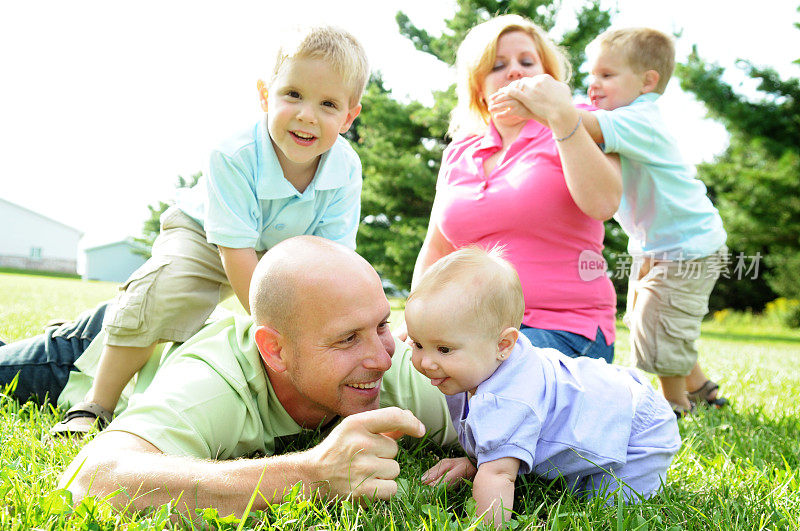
(676,238)
(290,174)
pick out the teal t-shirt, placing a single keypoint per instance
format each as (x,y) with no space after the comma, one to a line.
(664,208)
(210,397)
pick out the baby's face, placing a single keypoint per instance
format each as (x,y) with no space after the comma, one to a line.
(448,348)
(614,83)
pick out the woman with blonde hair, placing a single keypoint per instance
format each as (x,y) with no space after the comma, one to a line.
(540,188)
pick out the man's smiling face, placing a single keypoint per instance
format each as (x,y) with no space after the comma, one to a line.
(343,345)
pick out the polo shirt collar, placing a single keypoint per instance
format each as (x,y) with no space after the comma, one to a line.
(649,97)
(271,184)
(491,139)
(331,172)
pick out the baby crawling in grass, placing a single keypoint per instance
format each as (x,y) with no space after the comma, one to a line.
(519,409)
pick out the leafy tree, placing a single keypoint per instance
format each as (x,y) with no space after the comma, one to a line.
(401,144)
(756,182)
(152,225)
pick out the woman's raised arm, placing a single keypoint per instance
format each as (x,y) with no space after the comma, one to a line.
(593,178)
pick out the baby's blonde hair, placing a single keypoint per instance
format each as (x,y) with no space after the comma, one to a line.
(492,290)
(337,47)
(642,48)
(474,61)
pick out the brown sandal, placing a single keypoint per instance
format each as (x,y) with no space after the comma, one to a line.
(102,417)
(701,395)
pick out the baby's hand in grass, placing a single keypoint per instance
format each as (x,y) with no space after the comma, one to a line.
(451,470)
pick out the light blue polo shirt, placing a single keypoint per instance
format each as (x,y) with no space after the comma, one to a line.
(558,416)
(246,202)
(664,208)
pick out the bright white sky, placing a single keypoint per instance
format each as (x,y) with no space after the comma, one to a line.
(104,103)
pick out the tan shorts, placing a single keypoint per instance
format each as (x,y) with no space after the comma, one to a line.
(172,294)
(666,304)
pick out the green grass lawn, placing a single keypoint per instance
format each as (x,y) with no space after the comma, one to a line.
(739,468)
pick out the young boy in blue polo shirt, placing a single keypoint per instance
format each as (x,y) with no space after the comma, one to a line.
(675,235)
(519,409)
(288,175)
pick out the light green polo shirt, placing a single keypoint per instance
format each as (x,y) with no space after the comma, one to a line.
(210,397)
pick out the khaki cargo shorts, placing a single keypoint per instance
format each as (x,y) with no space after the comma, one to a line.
(666,304)
(172,294)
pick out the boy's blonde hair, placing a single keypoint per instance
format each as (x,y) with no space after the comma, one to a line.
(643,49)
(492,290)
(337,47)
(475,59)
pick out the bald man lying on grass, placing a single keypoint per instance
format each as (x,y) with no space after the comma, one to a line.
(317,348)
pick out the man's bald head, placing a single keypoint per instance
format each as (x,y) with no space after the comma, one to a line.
(298,270)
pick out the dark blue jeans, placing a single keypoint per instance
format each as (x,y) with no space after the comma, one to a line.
(44,362)
(573,345)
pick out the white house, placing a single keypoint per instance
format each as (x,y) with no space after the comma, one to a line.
(29,240)
(114,261)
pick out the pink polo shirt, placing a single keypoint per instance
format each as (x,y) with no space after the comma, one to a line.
(524,205)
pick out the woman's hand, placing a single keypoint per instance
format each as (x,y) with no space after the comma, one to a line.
(502,104)
(540,97)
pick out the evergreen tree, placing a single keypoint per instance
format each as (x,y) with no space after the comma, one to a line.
(755,183)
